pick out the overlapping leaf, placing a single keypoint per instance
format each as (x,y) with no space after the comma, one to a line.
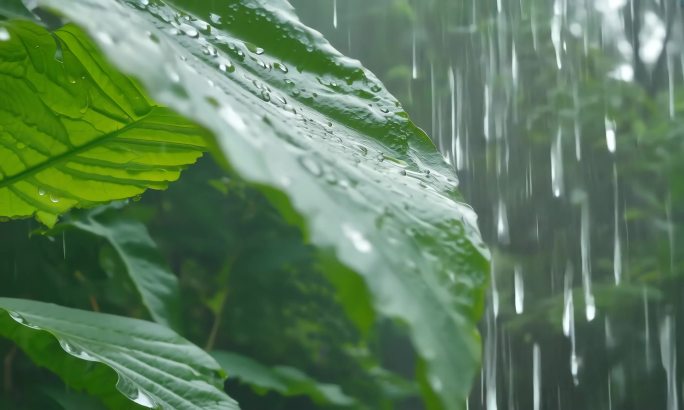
(285,380)
(74,131)
(147,363)
(297,118)
(156,284)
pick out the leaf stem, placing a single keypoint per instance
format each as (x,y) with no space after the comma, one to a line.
(228,267)
(7,369)
(93,303)
(217,324)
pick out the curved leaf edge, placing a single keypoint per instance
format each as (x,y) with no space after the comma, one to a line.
(39,343)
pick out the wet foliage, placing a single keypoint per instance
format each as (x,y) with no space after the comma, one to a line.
(312,246)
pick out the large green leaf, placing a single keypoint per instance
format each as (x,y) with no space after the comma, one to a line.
(147,363)
(333,150)
(285,380)
(156,284)
(74,131)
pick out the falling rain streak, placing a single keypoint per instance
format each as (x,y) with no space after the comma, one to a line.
(552,113)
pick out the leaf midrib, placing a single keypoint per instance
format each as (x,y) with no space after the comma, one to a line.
(65,156)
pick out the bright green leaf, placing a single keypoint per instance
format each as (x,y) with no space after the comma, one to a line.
(156,284)
(147,363)
(74,132)
(285,380)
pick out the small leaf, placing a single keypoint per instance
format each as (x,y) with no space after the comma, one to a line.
(147,363)
(74,132)
(285,380)
(157,285)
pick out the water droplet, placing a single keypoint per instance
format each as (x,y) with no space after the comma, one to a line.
(557,181)
(502,229)
(4,34)
(335,13)
(254,49)
(436,383)
(414,62)
(189,30)
(20,319)
(17,317)
(311,165)
(77,352)
(144,399)
(537,380)
(357,238)
(41,192)
(215,18)
(171,73)
(226,66)
(281,67)
(668,356)
(54,199)
(104,38)
(233,119)
(519,289)
(133,392)
(611,142)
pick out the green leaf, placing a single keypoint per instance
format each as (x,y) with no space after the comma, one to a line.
(157,285)
(332,149)
(147,363)
(14,9)
(74,132)
(69,400)
(287,381)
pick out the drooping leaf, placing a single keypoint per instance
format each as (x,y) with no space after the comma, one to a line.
(157,285)
(334,151)
(68,400)
(74,132)
(285,380)
(122,361)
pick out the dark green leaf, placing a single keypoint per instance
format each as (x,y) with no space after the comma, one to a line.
(285,380)
(147,363)
(157,285)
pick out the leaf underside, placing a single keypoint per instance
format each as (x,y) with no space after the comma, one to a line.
(74,132)
(287,381)
(120,360)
